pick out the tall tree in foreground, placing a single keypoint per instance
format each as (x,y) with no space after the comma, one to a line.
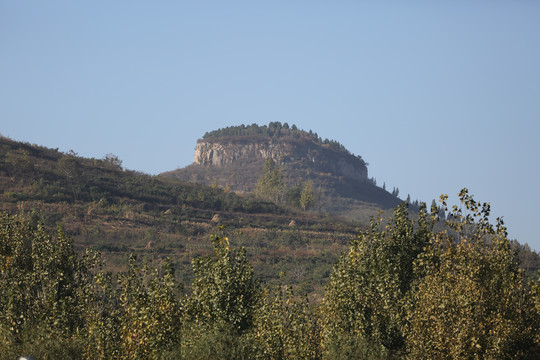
(42,283)
(472,300)
(286,327)
(404,291)
(221,308)
(364,310)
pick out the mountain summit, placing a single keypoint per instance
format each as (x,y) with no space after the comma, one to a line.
(234,157)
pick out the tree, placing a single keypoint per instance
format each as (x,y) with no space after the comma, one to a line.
(365,301)
(271,184)
(471,300)
(294,193)
(112,161)
(439,210)
(149,311)
(286,327)
(225,291)
(42,283)
(307,196)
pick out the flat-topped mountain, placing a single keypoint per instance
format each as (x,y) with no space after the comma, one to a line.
(318,157)
(234,157)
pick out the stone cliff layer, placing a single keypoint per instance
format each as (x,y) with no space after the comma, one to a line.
(318,157)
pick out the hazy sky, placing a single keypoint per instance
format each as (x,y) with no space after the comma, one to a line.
(434,95)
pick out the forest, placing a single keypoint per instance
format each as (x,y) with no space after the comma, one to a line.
(422,287)
(274,130)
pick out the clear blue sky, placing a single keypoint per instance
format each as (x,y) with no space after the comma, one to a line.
(435,95)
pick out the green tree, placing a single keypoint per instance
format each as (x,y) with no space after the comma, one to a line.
(225,291)
(406,291)
(271,185)
(220,312)
(365,301)
(42,282)
(149,312)
(286,327)
(103,320)
(307,196)
(113,161)
(471,300)
(293,194)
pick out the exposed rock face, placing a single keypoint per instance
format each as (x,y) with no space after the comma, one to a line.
(318,157)
(235,162)
(220,154)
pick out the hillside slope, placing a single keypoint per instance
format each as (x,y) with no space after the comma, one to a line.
(234,157)
(121,212)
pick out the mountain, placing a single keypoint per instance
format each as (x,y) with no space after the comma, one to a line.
(234,157)
(121,212)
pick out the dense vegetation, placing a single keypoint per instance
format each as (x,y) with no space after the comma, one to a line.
(121,212)
(30,172)
(76,292)
(403,290)
(273,130)
(271,186)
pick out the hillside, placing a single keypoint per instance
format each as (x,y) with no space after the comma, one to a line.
(234,157)
(120,211)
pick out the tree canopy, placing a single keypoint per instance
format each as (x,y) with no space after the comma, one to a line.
(272,130)
(402,291)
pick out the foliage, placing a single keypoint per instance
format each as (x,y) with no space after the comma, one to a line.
(221,309)
(370,286)
(211,343)
(286,328)
(103,321)
(149,312)
(270,185)
(31,173)
(113,161)
(472,301)
(307,196)
(225,291)
(407,291)
(41,283)
(402,291)
(272,130)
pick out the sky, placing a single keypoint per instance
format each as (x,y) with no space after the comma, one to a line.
(434,95)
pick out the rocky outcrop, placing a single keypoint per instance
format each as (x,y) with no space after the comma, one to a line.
(221,154)
(235,162)
(306,154)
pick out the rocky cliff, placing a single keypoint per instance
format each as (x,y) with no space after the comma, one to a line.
(317,157)
(233,158)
